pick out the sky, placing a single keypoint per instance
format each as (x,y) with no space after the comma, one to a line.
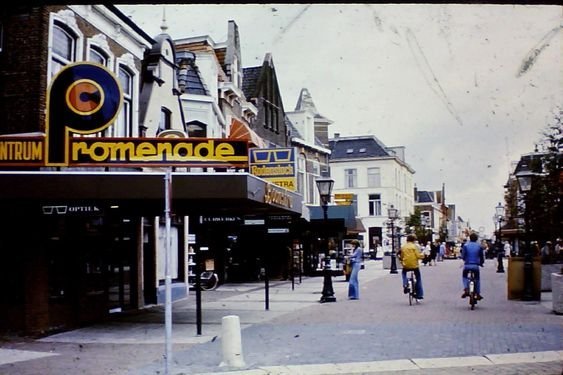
(465,88)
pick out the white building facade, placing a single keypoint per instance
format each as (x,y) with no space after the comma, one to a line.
(378,177)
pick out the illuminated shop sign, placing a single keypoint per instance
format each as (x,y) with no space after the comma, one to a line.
(276,165)
(71,210)
(85,98)
(157,151)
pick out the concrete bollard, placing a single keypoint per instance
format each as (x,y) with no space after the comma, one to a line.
(231,342)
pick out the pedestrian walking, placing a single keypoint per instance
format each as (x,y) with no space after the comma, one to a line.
(356,264)
(433,252)
(442,252)
(426,251)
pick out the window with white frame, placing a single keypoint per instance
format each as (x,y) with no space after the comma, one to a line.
(98,56)
(165,122)
(124,125)
(350,178)
(315,173)
(64,47)
(301,169)
(374,202)
(374,177)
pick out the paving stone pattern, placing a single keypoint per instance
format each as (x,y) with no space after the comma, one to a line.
(299,335)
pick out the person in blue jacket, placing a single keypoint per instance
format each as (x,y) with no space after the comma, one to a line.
(356,262)
(473,258)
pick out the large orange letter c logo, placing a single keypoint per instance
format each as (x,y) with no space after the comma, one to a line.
(84,98)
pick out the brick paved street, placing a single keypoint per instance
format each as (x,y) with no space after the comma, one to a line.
(380,333)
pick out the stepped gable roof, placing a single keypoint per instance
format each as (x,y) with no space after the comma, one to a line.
(357,147)
(250,81)
(305,101)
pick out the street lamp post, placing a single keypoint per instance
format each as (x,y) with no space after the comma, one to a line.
(393,213)
(524,177)
(500,216)
(325,189)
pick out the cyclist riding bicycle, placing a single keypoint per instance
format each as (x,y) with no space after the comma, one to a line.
(473,258)
(409,256)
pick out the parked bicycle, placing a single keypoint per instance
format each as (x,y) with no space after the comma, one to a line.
(411,286)
(208,280)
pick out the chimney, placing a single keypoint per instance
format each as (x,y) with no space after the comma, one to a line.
(415,194)
(443,193)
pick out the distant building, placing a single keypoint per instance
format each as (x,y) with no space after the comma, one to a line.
(313,155)
(377,176)
(433,211)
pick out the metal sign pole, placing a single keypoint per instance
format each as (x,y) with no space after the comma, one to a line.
(168,278)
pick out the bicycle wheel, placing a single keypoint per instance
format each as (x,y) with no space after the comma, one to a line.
(472,295)
(411,290)
(209,281)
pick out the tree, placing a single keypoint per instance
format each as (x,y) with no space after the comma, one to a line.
(414,225)
(546,196)
(543,201)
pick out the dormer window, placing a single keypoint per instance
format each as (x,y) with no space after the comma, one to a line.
(350,150)
(362,150)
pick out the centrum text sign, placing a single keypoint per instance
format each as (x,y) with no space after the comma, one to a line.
(28,151)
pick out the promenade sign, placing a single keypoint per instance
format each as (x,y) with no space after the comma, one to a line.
(85,98)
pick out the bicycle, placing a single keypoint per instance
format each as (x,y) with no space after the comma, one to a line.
(208,280)
(411,285)
(471,288)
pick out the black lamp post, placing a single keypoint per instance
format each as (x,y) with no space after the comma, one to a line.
(393,214)
(500,251)
(524,177)
(325,189)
